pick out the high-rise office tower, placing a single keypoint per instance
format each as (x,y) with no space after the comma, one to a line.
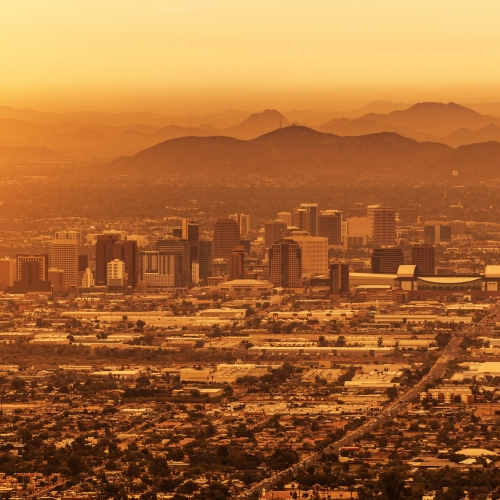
(237,264)
(247,244)
(339,278)
(206,259)
(32,274)
(157,269)
(274,230)
(7,273)
(387,260)
(42,268)
(56,278)
(359,232)
(423,256)
(83,262)
(193,236)
(189,230)
(109,247)
(384,225)
(330,226)
(301,219)
(312,208)
(180,249)
(104,253)
(314,254)
(243,223)
(64,256)
(286,217)
(285,264)
(437,233)
(226,237)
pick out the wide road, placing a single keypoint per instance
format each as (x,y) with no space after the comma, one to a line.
(397,406)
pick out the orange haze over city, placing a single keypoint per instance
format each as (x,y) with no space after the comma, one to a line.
(204,56)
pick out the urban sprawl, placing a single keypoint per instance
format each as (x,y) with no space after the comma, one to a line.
(314,356)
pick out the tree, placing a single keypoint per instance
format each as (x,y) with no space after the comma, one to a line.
(392,484)
(215,491)
(392,393)
(143,381)
(18,384)
(340,341)
(76,464)
(133,470)
(139,324)
(188,487)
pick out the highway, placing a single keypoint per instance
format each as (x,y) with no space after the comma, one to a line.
(397,406)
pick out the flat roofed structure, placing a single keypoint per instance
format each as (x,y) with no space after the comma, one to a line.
(476,452)
(321,315)
(246,287)
(371,279)
(481,370)
(492,271)
(130,375)
(326,351)
(223,313)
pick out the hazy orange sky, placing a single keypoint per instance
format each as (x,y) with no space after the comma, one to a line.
(206,55)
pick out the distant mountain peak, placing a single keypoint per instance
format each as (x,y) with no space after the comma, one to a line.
(258,124)
(267,114)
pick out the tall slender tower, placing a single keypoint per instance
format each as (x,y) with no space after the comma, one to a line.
(423,256)
(312,209)
(285,264)
(108,247)
(330,226)
(384,225)
(64,256)
(206,258)
(226,237)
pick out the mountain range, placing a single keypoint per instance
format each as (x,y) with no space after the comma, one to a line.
(101,137)
(298,154)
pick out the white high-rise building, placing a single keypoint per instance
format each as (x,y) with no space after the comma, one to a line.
(314,254)
(64,255)
(116,274)
(195,272)
(88,278)
(67,235)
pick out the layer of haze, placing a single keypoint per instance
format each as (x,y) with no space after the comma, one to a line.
(177,56)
